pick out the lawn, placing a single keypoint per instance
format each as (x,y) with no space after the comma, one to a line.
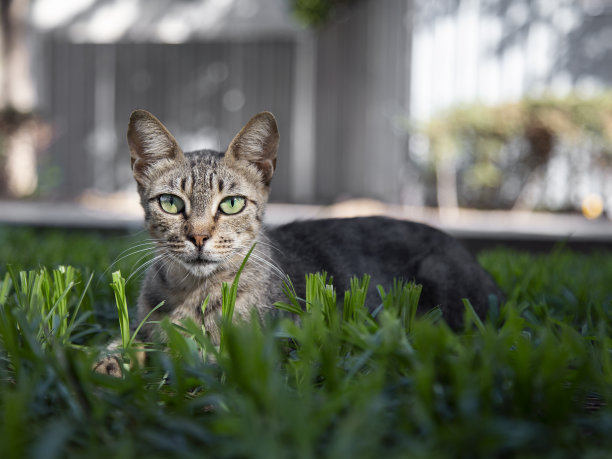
(532,380)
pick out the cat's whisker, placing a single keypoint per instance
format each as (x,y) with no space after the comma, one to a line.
(145,265)
(140,244)
(164,258)
(137,265)
(138,248)
(141,269)
(147,250)
(260,259)
(245,249)
(168,257)
(275,269)
(151,249)
(267,243)
(160,263)
(184,279)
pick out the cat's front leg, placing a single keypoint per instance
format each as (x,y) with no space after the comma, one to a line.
(112,363)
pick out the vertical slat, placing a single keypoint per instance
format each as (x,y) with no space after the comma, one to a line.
(328,84)
(303,161)
(361,89)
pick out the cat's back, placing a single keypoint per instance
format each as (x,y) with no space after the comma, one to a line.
(385,249)
(342,241)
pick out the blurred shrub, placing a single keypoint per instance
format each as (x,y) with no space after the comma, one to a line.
(315,13)
(10,121)
(22,136)
(501,156)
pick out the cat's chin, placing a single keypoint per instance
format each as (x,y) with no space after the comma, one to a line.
(199,268)
(202,269)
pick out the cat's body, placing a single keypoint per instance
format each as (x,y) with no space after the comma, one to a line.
(205,210)
(381,247)
(385,249)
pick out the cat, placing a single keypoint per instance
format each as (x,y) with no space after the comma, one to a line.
(204,210)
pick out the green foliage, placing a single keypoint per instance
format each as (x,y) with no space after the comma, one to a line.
(479,137)
(487,128)
(50,301)
(315,13)
(532,380)
(402,301)
(99,252)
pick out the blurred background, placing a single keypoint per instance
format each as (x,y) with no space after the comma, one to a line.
(432,106)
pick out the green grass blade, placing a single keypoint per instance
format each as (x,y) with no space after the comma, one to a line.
(354,299)
(142,322)
(472,316)
(79,303)
(5,288)
(118,286)
(229,294)
(293,306)
(59,309)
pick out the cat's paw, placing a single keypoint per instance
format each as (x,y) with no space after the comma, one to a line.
(109,365)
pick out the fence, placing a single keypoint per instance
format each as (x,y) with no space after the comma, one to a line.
(338,95)
(341,95)
(203,92)
(362,84)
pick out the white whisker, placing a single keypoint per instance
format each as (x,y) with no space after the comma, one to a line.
(130,251)
(145,265)
(163,258)
(264,261)
(267,243)
(144,257)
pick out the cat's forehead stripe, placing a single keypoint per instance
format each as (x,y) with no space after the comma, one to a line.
(194,177)
(204,173)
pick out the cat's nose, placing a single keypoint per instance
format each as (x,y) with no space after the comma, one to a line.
(199,239)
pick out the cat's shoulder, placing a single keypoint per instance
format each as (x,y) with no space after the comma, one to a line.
(376,226)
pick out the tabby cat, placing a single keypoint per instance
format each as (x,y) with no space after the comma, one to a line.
(204,210)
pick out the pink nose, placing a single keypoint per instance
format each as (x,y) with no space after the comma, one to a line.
(200,239)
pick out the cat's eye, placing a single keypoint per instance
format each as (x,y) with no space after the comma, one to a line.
(171,204)
(232,205)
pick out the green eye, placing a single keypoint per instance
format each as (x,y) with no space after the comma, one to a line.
(171,204)
(232,205)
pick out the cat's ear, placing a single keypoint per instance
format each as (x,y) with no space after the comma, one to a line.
(151,145)
(257,144)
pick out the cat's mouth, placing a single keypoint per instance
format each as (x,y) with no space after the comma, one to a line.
(202,260)
(200,266)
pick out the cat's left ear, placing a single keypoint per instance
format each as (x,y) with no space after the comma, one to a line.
(151,145)
(257,144)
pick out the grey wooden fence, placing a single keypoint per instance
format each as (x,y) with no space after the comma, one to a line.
(339,95)
(362,84)
(203,92)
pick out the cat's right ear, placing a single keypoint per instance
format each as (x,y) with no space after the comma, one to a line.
(151,145)
(256,144)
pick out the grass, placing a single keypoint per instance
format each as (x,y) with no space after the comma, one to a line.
(532,380)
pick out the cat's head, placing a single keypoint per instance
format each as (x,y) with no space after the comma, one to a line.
(204,208)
